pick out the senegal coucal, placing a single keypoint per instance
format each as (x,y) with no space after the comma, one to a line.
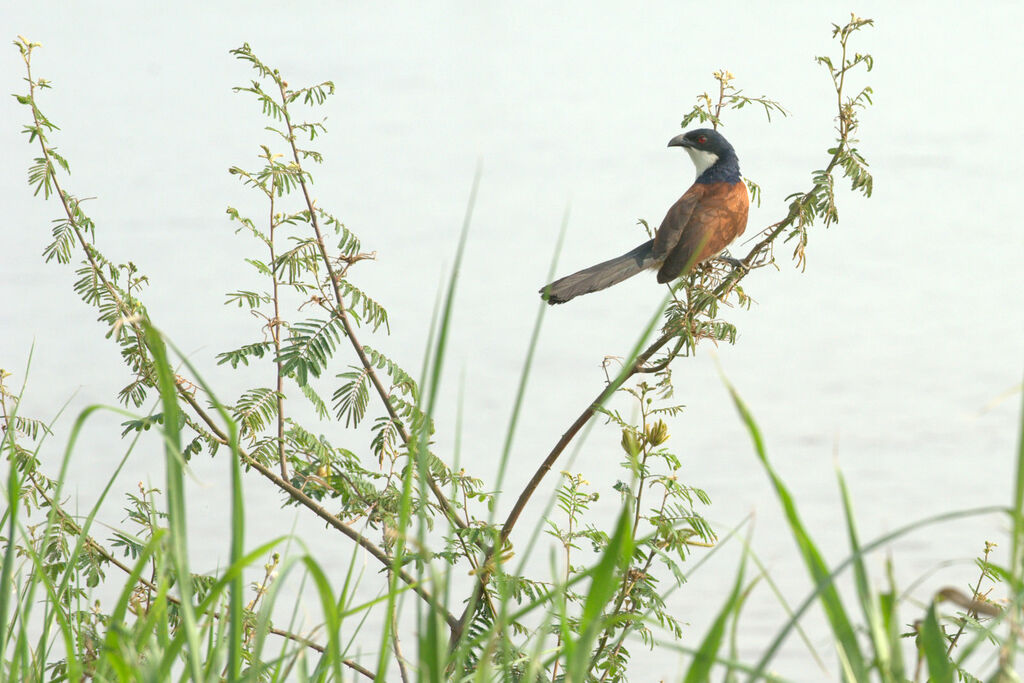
(710,215)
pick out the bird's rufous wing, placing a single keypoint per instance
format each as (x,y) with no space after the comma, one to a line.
(717,218)
(673,226)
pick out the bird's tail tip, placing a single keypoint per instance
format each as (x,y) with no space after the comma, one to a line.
(550,297)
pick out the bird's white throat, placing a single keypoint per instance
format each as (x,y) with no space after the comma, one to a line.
(701,159)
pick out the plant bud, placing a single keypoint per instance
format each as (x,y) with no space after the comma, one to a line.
(629,442)
(657,433)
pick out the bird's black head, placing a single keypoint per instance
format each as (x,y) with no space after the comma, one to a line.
(711,153)
(704,139)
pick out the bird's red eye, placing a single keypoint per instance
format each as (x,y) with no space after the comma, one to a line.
(701,140)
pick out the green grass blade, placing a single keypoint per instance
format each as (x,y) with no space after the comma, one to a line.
(837,616)
(13,491)
(604,582)
(237,543)
(236,599)
(41,577)
(777,592)
(331,617)
(884,655)
(7,572)
(176,516)
(888,603)
(867,548)
(940,669)
(707,653)
(433,648)
(1017,547)
(117,616)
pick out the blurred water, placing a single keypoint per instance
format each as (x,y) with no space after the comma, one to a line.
(891,355)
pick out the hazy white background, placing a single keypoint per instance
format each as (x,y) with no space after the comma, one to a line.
(896,354)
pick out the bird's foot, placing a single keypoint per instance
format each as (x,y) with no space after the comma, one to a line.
(734,262)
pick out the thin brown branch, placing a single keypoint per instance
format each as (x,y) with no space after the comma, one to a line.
(275,334)
(341,311)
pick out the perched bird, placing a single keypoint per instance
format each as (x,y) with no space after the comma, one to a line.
(710,215)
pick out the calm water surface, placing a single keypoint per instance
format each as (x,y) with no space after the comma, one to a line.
(894,356)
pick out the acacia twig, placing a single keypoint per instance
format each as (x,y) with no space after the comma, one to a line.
(300,496)
(341,312)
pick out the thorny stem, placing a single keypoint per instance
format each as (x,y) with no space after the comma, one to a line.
(342,312)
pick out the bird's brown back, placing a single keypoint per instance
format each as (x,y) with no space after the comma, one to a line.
(700,225)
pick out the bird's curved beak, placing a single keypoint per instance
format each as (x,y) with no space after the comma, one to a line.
(680,141)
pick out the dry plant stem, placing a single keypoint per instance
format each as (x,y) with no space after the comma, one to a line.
(346,322)
(299,496)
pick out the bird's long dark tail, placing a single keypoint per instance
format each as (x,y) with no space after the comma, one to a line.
(601,276)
